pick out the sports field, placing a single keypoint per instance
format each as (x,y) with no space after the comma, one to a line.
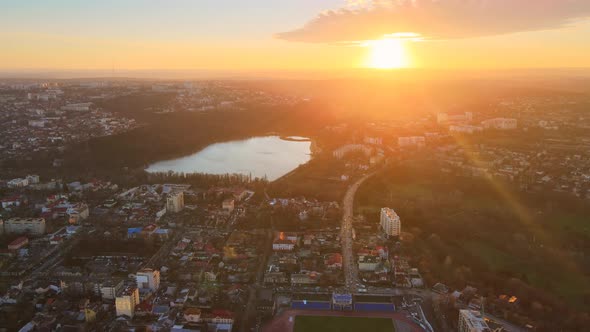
(342,324)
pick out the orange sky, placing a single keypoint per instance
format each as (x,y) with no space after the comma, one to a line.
(234,43)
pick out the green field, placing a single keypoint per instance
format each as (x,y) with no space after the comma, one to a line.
(342,324)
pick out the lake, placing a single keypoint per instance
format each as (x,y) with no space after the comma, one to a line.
(269,156)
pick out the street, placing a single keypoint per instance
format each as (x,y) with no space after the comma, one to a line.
(348,262)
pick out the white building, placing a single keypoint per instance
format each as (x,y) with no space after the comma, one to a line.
(109,290)
(373,140)
(472,321)
(349,148)
(33,179)
(126,301)
(465,129)
(444,118)
(80,107)
(283,245)
(390,222)
(418,141)
(175,202)
(148,279)
(500,123)
(17,183)
(32,226)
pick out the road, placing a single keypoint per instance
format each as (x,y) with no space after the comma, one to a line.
(348,262)
(161,255)
(250,309)
(509,327)
(55,256)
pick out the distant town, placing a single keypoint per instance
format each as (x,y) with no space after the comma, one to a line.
(353,231)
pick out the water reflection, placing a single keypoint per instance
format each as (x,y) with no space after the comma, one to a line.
(269,156)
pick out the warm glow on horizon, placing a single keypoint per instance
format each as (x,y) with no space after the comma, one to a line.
(387,54)
(221,37)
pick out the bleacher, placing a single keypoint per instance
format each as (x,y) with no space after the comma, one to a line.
(337,301)
(342,301)
(311,305)
(374,303)
(387,307)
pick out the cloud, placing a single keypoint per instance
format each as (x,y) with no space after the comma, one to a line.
(437,19)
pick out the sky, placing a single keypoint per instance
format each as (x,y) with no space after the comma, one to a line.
(291,35)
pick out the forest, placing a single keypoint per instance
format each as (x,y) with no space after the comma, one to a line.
(170,135)
(465,231)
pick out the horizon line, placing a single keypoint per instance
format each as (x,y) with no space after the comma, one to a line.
(244,74)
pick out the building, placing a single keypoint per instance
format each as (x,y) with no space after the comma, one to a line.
(218,320)
(110,289)
(80,107)
(283,245)
(175,202)
(18,243)
(284,242)
(126,301)
(368,263)
(342,301)
(17,183)
(78,213)
(32,226)
(465,129)
(33,179)
(309,278)
(192,315)
(265,300)
(333,261)
(228,205)
(90,314)
(390,222)
(446,118)
(472,321)
(500,123)
(275,278)
(148,279)
(373,140)
(418,141)
(15,200)
(351,148)
(37,123)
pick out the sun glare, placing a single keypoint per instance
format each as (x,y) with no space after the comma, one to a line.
(387,54)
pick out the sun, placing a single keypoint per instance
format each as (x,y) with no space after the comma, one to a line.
(387,54)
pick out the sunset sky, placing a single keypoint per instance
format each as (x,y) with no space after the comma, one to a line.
(293,34)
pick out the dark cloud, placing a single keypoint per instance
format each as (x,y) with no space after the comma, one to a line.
(438,19)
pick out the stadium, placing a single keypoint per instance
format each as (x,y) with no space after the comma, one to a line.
(310,312)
